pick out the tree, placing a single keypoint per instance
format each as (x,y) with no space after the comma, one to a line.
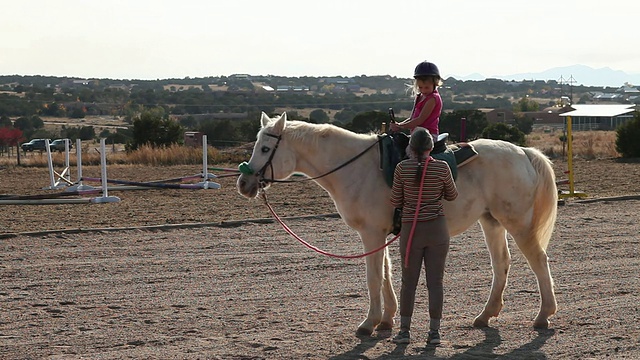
(367,122)
(9,137)
(219,132)
(5,121)
(475,122)
(523,123)
(87,133)
(526,104)
(189,122)
(53,109)
(502,131)
(78,112)
(627,136)
(318,116)
(153,128)
(344,116)
(36,122)
(248,130)
(23,123)
(121,136)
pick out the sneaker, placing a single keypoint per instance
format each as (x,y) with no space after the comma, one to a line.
(434,337)
(403,337)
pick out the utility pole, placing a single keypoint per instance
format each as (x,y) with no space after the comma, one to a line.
(561,80)
(571,81)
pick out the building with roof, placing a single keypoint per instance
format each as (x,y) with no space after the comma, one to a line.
(599,116)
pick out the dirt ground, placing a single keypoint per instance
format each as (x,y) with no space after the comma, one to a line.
(204,274)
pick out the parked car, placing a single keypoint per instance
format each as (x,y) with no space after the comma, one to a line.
(34,144)
(58,145)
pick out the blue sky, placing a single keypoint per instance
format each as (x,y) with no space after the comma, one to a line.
(145,39)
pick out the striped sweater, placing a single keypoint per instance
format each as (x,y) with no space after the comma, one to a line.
(438,184)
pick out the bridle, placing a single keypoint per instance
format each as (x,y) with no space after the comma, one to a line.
(263,181)
(260,174)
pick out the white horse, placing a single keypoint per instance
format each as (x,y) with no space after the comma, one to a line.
(506,189)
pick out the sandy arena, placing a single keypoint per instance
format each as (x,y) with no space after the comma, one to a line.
(205,274)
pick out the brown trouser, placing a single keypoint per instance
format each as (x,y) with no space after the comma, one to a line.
(430,245)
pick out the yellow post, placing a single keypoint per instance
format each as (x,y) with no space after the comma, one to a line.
(571,192)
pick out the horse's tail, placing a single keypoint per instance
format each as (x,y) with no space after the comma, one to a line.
(545,204)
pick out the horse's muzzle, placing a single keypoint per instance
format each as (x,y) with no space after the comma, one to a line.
(247,186)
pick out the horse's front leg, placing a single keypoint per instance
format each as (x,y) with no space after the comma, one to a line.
(388,295)
(379,282)
(374,284)
(496,240)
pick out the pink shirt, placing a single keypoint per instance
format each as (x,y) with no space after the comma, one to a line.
(432,121)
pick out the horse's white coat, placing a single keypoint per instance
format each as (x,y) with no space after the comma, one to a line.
(506,189)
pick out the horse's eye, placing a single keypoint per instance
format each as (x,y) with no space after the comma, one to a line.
(265,149)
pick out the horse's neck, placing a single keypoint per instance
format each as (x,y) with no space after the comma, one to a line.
(329,154)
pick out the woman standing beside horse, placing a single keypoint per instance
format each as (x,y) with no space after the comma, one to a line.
(419,184)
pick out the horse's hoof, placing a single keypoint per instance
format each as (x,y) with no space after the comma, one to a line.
(541,324)
(480,323)
(384,326)
(364,332)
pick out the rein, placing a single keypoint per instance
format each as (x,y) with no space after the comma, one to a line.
(244,167)
(263,194)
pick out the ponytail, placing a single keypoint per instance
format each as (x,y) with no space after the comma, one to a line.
(421,164)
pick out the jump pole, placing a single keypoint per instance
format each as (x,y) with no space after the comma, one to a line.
(79,186)
(205,183)
(105,198)
(572,192)
(62,177)
(47,201)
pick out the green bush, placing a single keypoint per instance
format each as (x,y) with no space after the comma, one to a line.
(627,136)
(502,131)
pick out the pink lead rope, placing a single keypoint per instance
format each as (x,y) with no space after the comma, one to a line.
(415,216)
(290,232)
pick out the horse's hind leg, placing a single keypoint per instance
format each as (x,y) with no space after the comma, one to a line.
(539,262)
(496,239)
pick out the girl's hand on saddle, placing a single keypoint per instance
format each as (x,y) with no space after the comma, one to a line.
(394,127)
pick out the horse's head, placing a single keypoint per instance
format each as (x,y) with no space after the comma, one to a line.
(272,158)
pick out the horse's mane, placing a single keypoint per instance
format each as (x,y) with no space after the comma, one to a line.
(309,134)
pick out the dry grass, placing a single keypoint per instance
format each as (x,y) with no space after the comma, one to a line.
(588,145)
(146,155)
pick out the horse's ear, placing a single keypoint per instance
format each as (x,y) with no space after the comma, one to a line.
(264,119)
(280,124)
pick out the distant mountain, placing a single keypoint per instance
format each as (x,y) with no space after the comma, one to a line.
(472,77)
(582,75)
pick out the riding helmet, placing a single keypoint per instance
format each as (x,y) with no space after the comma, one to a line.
(426,68)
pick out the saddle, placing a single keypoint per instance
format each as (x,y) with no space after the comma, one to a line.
(393,150)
